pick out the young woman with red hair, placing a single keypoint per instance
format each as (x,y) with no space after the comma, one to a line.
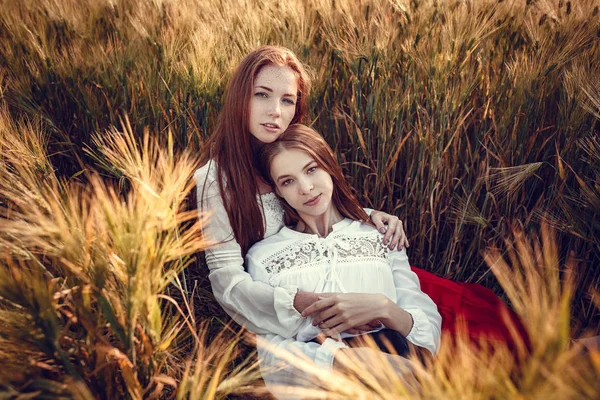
(268,92)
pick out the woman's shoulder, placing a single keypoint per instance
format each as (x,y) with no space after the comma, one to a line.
(358,227)
(206,179)
(273,244)
(206,173)
(366,231)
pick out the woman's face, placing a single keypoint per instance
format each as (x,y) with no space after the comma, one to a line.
(302,182)
(273,102)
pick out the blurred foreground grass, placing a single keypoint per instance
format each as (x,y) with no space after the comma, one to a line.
(469,119)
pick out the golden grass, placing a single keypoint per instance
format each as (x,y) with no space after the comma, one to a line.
(463,117)
(85,273)
(553,367)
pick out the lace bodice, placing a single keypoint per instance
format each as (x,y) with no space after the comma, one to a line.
(367,248)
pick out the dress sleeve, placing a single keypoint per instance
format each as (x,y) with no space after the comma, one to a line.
(427,321)
(255,305)
(280,372)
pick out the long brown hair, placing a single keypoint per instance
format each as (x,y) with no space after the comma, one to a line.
(230,146)
(301,137)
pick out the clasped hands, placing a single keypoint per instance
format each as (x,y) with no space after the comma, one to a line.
(353,313)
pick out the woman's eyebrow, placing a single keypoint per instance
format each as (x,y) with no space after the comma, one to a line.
(308,163)
(281,177)
(268,89)
(287,175)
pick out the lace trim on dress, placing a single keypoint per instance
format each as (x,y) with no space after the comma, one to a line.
(297,255)
(272,212)
(362,246)
(315,250)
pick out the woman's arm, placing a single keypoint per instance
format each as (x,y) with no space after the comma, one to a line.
(255,305)
(427,321)
(414,314)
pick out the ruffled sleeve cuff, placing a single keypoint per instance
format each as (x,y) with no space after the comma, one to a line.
(421,333)
(287,315)
(326,353)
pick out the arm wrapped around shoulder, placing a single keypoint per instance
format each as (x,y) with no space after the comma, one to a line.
(253,304)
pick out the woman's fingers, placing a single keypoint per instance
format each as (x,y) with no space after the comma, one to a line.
(403,239)
(377,220)
(355,331)
(392,228)
(304,299)
(367,327)
(386,223)
(329,321)
(324,315)
(336,330)
(375,324)
(398,239)
(317,306)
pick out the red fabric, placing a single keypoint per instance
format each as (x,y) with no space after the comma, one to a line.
(473,306)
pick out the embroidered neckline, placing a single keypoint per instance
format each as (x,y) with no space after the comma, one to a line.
(313,250)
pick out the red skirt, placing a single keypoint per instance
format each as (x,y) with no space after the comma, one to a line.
(474,307)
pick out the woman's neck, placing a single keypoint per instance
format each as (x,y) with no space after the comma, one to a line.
(320,225)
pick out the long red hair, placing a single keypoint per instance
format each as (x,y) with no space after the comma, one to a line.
(301,137)
(230,146)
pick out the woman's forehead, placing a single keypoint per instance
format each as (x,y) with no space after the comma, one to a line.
(290,160)
(275,76)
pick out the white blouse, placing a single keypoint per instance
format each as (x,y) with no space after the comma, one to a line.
(351,259)
(259,307)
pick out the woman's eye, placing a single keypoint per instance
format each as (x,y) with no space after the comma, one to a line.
(286,182)
(311,170)
(261,94)
(289,101)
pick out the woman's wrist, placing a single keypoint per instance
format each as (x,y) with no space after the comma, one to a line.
(303,300)
(396,318)
(386,312)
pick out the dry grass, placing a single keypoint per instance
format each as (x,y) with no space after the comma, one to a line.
(86,272)
(463,117)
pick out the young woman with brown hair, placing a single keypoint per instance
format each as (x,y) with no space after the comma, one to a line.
(325,247)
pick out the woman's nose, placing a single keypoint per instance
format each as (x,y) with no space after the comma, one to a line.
(306,186)
(275,110)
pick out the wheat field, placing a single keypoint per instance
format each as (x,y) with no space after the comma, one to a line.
(476,122)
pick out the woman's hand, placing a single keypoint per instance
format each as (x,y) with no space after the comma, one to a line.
(304,299)
(393,229)
(359,330)
(338,312)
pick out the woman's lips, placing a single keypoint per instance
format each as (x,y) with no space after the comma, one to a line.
(272,128)
(313,202)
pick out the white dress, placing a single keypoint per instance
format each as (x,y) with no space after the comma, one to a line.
(256,305)
(351,259)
